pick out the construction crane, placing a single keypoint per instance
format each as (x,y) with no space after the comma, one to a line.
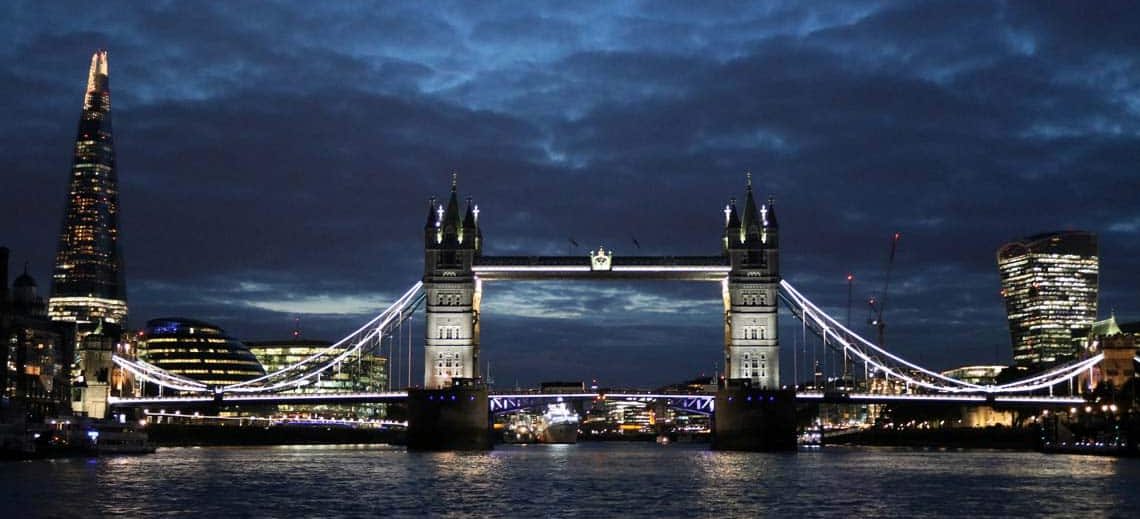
(878,304)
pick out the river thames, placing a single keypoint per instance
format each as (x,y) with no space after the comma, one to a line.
(584,480)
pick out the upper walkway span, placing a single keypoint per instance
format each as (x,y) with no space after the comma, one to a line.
(679,268)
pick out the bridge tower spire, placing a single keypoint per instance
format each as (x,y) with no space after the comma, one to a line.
(731,225)
(451,338)
(751,341)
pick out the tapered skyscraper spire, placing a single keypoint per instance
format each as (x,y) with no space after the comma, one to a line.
(98,90)
(87,284)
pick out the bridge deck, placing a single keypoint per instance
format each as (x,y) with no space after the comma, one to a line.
(398,396)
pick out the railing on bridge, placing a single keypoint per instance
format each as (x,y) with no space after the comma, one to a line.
(510,402)
(279,384)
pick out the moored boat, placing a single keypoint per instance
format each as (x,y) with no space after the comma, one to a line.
(559,425)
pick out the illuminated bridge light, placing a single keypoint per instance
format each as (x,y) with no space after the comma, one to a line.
(273,387)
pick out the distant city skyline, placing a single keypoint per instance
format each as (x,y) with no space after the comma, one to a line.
(270,171)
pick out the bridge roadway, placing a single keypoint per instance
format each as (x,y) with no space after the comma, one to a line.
(500,402)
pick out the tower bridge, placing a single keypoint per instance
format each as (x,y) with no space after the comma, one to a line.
(455,270)
(752,409)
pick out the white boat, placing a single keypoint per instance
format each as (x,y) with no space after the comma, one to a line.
(558,425)
(119,439)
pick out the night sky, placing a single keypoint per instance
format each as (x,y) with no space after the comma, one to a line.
(275,159)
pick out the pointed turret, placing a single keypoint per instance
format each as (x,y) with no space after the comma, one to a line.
(731,225)
(431,217)
(451,224)
(751,223)
(733,221)
(770,214)
(771,228)
(430,237)
(478,234)
(469,217)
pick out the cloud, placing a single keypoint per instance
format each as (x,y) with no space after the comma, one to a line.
(276,159)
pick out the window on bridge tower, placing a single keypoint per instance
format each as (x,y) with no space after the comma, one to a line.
(753,332)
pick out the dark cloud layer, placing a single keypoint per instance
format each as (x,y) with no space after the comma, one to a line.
(275,157)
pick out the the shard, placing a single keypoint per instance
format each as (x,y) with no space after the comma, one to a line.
(87,284)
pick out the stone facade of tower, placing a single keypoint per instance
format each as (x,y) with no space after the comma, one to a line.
(751,337)
(451,243)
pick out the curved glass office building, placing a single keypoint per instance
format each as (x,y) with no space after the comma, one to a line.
(1050,284)
(198,350)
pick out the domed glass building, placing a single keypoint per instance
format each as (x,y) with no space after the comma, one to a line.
(198,350)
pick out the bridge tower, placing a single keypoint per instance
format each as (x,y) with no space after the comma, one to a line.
(752,412)
(450,412)
(751,338)
(451,243)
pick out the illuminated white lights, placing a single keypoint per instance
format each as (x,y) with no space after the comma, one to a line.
(309,369)
(491,269)
(69,308)
(828,327)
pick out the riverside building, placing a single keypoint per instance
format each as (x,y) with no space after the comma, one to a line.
(1049,283)
(33,352)
(198,350)
(361,373)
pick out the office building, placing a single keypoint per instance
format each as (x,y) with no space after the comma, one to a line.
(1049,283)
(198,350)
(359,373)
(87,283)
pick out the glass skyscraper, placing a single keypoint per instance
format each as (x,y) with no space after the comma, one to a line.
(1049,283)
(87,283)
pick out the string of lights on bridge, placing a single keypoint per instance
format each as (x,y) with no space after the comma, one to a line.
(834,335)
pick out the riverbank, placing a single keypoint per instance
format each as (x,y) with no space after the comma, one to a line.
(951,438)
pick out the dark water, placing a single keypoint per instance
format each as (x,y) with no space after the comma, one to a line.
(600,480)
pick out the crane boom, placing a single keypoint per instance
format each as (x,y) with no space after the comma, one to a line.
(879,304)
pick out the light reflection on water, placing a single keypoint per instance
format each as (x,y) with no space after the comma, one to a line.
(641,479)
